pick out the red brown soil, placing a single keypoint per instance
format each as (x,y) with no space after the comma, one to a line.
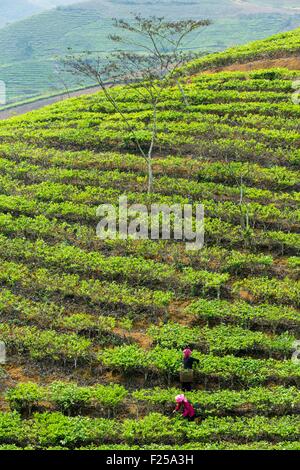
(17,374)
(178,314)
(142,339)
(245,295)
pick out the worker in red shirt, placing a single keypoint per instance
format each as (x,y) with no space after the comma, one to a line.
(186,407)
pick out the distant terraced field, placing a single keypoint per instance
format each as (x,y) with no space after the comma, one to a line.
(94,329)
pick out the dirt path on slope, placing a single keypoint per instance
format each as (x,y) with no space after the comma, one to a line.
(291,63)
(27,107)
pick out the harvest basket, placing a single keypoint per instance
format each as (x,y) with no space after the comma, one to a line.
(186,375)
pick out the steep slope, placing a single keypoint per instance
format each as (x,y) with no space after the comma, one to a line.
(29,48)
(109,319)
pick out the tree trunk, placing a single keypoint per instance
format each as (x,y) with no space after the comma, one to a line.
(242,217)
(150,176)
(182,93)
(149,159)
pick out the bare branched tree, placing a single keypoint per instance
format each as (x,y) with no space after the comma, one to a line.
(243,205)
(152,61)
(60,79)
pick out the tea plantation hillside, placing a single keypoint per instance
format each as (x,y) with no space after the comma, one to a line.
(95,329)
(281,45)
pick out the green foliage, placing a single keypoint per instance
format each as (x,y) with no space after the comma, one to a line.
(285,291)
(24,397)
(11,430)
(55,429)
(108,396)
(223,339)
(128,358)
(209,281)
(258,400)
(96,291)
(242,313)
(68,397)
(174,335)
(46,345)
(51,429)
(226,370)
(147,429)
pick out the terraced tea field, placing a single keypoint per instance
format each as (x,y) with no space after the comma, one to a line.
(95,329)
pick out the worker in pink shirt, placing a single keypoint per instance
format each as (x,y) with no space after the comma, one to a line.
(186,407)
